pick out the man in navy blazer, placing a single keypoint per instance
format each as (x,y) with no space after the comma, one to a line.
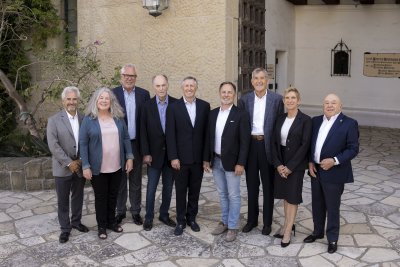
(154,150)
(186,128)
(334,144)
(263,107)
(131,98)
(227,146)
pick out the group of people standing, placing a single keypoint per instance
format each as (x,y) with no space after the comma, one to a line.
(179,139)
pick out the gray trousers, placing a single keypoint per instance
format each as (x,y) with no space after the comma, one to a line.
(64,187)
(134,179)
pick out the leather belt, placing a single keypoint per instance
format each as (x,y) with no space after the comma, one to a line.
(258,137)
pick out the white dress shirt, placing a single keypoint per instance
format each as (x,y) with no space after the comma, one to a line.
(322,134)
(75,128)
(219,128)
(191,108)
(257,127)
(285,129)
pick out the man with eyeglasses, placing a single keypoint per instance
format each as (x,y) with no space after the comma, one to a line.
(131,98)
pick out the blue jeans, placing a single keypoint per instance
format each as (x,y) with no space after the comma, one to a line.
(153,175)
(228,187)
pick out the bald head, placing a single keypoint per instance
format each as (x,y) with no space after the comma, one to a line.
(332,105)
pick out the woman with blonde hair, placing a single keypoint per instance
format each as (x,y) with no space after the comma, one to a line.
(106,151)
(291,142)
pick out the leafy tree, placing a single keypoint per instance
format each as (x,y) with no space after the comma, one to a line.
(25,26)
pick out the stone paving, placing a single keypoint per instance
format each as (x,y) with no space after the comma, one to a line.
(370,222)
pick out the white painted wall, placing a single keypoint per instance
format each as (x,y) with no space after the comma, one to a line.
(374,28)
(280,36)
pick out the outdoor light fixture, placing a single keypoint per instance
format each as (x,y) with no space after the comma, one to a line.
(155,7)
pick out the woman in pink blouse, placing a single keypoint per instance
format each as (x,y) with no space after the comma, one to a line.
(106,151)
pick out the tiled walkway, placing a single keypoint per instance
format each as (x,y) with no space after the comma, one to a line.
(370,231)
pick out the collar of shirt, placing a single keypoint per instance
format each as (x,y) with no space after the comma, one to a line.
(187,102)
(132,91)
(229,109)
(70,116)
(332,119)
(260,98)
(161,102)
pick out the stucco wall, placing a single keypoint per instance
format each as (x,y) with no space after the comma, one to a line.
(196,38)
(373,28)
(280,37)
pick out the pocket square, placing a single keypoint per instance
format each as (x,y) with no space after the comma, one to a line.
(232,121)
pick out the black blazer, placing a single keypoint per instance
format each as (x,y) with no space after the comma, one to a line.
(141,96)
(185,142)
(152,137)
(297,142)
(235,140)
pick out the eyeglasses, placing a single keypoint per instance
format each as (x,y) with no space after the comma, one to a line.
(134,76)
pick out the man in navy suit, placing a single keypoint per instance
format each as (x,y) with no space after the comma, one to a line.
(227,146)
(334,144)
(263,107)
(186,128)
(131,98)
(154,150)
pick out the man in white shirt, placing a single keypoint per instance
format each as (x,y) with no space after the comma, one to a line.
(62,138)
(227,146)
(334,144)
(263,107)
(185,134)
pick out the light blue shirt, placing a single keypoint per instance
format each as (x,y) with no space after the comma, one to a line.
(130,105)
(162,108)
(191,108)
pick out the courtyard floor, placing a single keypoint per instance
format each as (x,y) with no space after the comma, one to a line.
(370,226)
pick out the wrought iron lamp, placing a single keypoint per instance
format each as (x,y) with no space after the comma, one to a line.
(155,7)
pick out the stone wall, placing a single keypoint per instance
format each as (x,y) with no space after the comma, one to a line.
(26,174)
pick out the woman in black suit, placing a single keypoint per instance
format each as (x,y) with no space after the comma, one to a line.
(291,142)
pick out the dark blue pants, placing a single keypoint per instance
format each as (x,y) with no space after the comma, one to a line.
(326,199)
(153,176)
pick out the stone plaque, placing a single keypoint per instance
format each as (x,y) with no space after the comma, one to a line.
(271,71)
(386,65)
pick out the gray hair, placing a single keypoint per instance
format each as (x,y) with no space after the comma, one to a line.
(115,108)
(128,65)
(70,89)
(159,75)
(258,70)
(190,78)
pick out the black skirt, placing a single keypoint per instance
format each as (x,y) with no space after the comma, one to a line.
(290,188)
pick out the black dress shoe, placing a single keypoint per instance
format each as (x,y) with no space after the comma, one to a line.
(312,238)
(64,237)
(248,227)
(332,247)
(179,229)
(278,235)
(148,224)
(266,230)
(167,221)
(81,228)
(137,219)
(120,217)
(194,226)
(284,245)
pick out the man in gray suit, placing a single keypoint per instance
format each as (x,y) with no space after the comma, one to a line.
(263,107)
(62,138)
